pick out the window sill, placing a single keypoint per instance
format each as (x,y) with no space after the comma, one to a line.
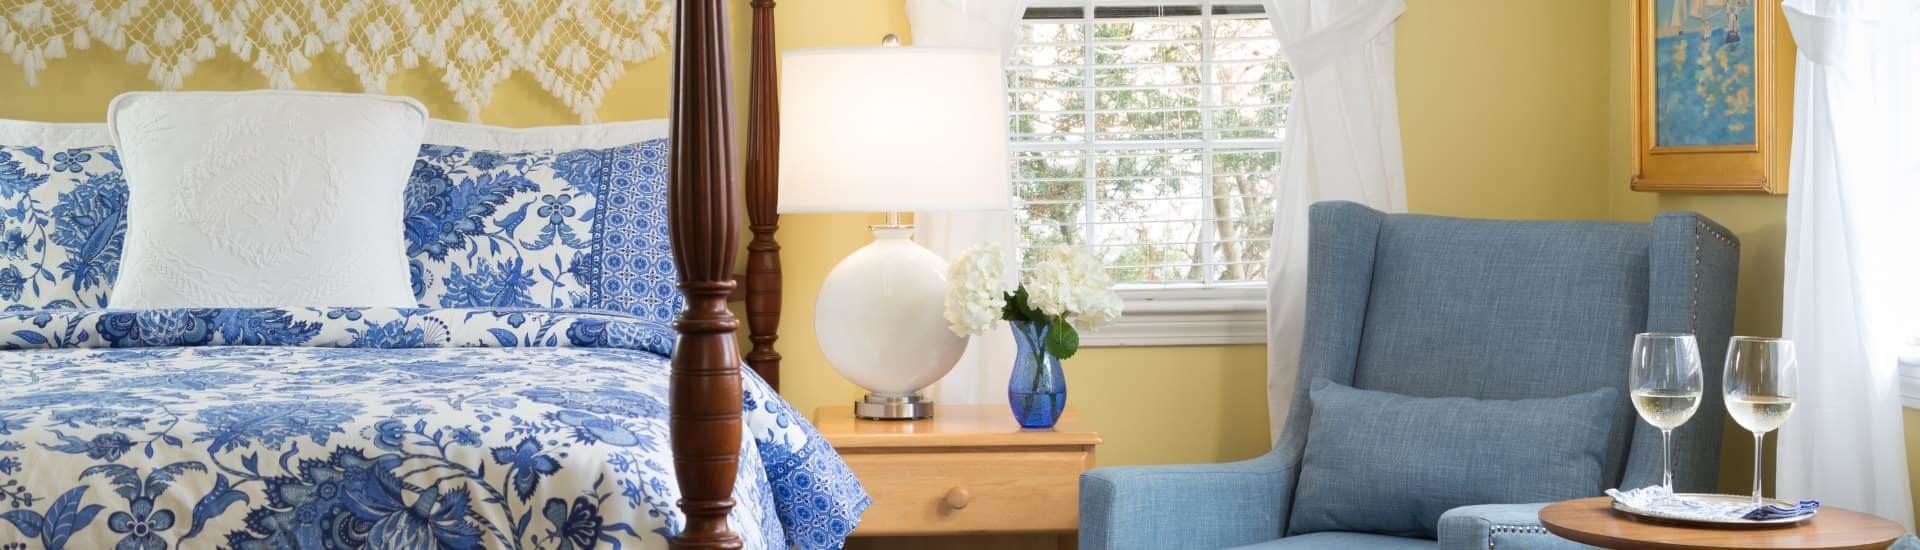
(1186,317)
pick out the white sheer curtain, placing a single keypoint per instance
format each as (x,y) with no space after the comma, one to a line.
(1343,143)
(1850,291)
(981,375)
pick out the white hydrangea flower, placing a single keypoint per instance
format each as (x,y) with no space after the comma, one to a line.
(1099,305)
(1071,283)
(1050,284)
(977,289)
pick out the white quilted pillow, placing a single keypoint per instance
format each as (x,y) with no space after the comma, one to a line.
(264,199)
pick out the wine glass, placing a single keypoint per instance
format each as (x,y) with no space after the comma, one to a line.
(1760,383)
(1666,384)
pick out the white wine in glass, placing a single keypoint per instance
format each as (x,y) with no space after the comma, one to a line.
(1666,409)
(1760,413)
(1664,379)
(1761,380)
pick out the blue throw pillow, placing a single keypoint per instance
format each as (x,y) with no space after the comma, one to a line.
(580,228)
(1384,463)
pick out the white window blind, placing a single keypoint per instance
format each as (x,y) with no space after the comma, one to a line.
(1149,133)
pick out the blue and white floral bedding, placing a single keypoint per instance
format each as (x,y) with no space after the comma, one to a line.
(396,428)
(378,428)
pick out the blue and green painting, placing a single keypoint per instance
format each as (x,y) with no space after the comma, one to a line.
(1703,72)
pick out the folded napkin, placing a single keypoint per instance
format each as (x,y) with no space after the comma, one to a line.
(1663,502)
(1775,511)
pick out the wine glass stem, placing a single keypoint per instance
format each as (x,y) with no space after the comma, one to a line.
(1666,459)
(1758,437)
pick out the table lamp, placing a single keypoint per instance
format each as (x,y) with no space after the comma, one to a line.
(891,129)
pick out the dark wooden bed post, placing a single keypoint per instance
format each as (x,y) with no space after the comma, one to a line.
(705,385)
(763,195)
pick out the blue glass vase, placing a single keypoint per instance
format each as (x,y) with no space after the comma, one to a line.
(1038,389)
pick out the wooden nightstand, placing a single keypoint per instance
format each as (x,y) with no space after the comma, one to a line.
(969,470)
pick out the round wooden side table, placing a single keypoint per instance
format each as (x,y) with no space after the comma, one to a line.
(1594,521)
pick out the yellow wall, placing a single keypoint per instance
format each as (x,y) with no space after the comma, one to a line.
(1912,418)
(1499,107)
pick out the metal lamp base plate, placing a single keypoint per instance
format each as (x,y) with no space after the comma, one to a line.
(912,407)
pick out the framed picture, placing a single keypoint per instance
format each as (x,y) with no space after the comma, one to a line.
(1711,95)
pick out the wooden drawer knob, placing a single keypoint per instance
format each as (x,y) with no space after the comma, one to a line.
(958,497)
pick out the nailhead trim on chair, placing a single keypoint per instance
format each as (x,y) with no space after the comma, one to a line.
(1693,313)
(1716,234)
(1501,528)
(1693,324)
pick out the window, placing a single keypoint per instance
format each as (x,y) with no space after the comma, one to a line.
(1151,134)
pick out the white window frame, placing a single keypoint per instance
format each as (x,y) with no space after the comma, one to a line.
(1181,314)
(1173,316)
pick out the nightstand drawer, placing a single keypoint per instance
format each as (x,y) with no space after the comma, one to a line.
(970,492)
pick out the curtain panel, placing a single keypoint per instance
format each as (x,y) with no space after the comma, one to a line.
(1850,299)
(1343,143)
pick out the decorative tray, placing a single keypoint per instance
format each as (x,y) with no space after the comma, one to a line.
(1715,500)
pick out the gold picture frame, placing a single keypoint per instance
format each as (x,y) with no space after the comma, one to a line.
(1716,76)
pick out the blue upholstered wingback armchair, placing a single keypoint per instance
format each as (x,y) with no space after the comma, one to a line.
(1443,307)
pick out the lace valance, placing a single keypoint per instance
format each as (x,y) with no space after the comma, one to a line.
(575,49)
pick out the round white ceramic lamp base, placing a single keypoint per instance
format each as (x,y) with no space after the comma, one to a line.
(881,323)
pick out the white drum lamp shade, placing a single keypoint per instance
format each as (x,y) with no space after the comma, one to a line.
(891,129)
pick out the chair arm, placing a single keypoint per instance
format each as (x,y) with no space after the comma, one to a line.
(1486,526)
(1192,506)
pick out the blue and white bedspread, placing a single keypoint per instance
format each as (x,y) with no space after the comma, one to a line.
(378,428)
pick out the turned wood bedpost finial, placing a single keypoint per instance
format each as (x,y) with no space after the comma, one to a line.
(705,384)
(763,195)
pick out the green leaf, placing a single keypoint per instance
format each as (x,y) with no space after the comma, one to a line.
(1062,340)
(1018,310)
(1032,314)
(1016,303)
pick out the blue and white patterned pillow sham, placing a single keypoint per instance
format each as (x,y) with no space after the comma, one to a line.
(583,228)
(62,219)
